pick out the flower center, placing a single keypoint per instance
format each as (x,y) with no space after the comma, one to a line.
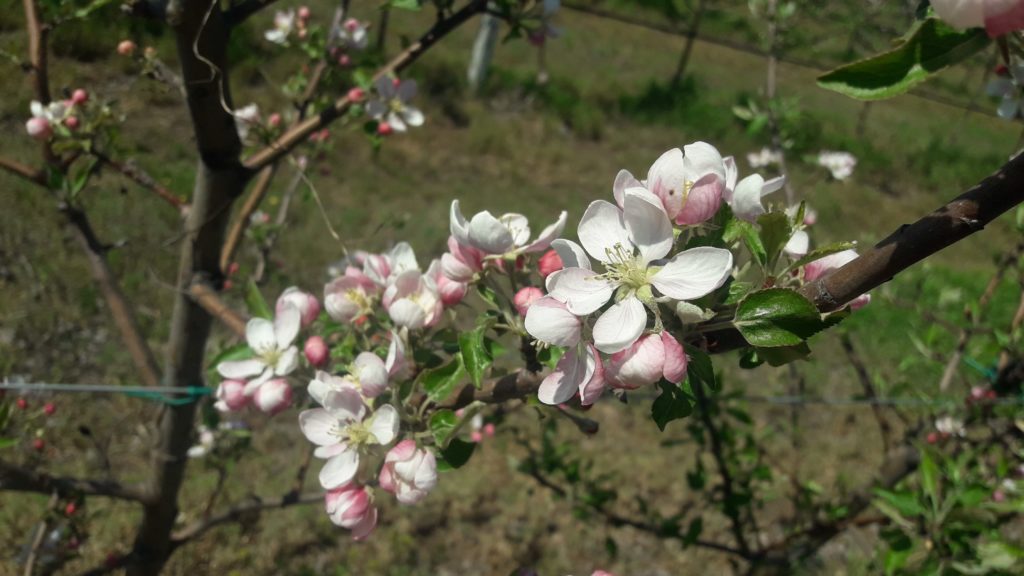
(396,105)
(356,434)
(270,356)
(624,268)
(360,299)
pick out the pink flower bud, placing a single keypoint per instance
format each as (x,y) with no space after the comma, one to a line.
(274,120)
(489,430)
(396,82)
(38,444)
(351,24)
(602,573)
(306,303)
(70,509)
(126,48)
(22,403)
(79,96)
(410,473)
(49,409)
(233,269)
(273,396)
(39,128)
(476,437)
(526,296)
(231,396)
(651,358)
(316,351)
(384,129)
(549,263)
(344,60)
(304,13)
(933,437)
(356,94)
(351,506)
(999,496)
(71,122)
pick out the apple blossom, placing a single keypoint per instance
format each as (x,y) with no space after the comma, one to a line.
(689,183)
(245,118)
(949,426)
(507,236)
(525,297)
(399,366)
(763,158)
(550,321)
(342,429)
(271,342)
(839,164)
(352,35)
(822,266)
(351,506)
(391,106)
(996,16)
(284,23)
(549,263)
(306,303)
(745,196)
(1007,87)
(351,296)
(205,444)
(646,361)
(410,473)
(798,245)
(273,397)
(451,292)
(581,371)
(44,117)
(461,263)
(316,351)
(631,243)
(231,396)
(412,301)
(39,128)
(126,47)
(384,268)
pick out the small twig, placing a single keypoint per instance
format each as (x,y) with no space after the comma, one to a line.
(140,177)
(869,389)
(237,512)
(18,169)
(204,295)
(17,479)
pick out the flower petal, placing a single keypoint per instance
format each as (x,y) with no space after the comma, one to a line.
(746,199)
(458,225)
(240,369)
(548,235)
(674,369)
(582,290)
(563,383)
(601,229)
(287,362)
(488,234)
(550,321)
(286,325)
(693,273)
(259,333)
(412,116)
(384,424)
(620,325)
(648,224)
(571,253)
(624,180)
(345,405)
(731,175)
(797,245)
(317,425)
(667,181)
(339,469)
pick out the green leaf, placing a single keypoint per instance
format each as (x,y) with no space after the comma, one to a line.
(777,317)
(455,455)
(699,368)
(7,442)
(751,238)
(254,301)
(933,47)
(476,356)
(442,424)
(693,532)
(819,253)
(413,5)
(930,477)
(441,381)
(782,355)
(903,502)
(671,405)
(775,232)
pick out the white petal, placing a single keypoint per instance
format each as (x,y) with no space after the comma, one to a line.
(731,175)
(376,109)
(667,180)
(571,253)
(488,234)
(1008,107)
(458,225)
(407,90)
(797,245)
(396,121)
(582,290)
(403,259)
(548,235)
(340,469)
(648,224)
(565,380)
(518,226)
(287,362)
(240,369)
(623,180)
(620,325)
(259,333)
(317,425)
(746,199)
(384,424)
(601,229)
(693,273)
(405,312)
(385,87)
(701,159)
(548,320)
(345,405)
(286,325)
(412,116)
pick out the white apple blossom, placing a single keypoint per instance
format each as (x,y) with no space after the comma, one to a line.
(581,371)
(507,236)
(631,244)
(412,301)
(391,104)
(343,428)
(384,268)
(798,245)
(764,158)
(352,35)
(950,426)
(996,16)
(284,23)
(245,118)
(745,197)
(839,164)
(350,297)
(689,182)
(410,473)
(272,344)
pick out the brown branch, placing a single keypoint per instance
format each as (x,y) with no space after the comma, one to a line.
(120,310)
(209,299)
(140,177)
(17,479)
(26,172)
(240,511)
(301,131)
(37,57)
(252,202)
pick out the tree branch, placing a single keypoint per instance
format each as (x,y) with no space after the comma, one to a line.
(301,131)
(21,170)
(240,511)
(241,12)
(37,35)
(204,295)
(17,479)
(137,175)
(252,202)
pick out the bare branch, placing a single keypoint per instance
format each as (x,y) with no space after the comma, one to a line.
(240,511)
(204,295)
(869,389)
(26,172)
(37,57)
(139,176)
(17,479)
(252,202)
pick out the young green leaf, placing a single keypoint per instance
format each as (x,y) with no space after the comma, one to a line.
(476,356)
(442,423)
(775,232)
(455,455)
(777,317)
(255,303)
(671,405)
(441,381)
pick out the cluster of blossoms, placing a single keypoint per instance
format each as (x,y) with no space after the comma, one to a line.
(839,164)
(59,113)
(764,158)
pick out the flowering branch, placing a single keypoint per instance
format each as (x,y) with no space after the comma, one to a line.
(18,479)
(301,131)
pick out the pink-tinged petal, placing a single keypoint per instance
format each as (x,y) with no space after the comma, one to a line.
(693,273)
(345,405)
(667,181)
(860,302)
(701,159)
(407,313)
(583,291)
(675,359)
(548,235)
(326,452)
(648,224)
(324,383)
(286,326)
(317,426)
(620,325)
(254,383)
(455,269)
(259,333)
(822,266)
(459,227)
(365,527)
(571,255)
(384,424)
(1004,17)
(287,362)
(569,374)
(372,374)
(798,245)
(624,180)
(401,451)
(703,201)
(592,389)
(639,365)
(746,199)
(488,234)
(731,176)
(386,480)
(241,369)
(550,321)
(601,229)
(402,258)
(526,296)
(961,13)
(397,364)
(273,397)
(339,469)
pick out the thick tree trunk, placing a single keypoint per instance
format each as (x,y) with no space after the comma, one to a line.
(220,179)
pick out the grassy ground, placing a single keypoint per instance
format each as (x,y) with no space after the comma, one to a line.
(521,147)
